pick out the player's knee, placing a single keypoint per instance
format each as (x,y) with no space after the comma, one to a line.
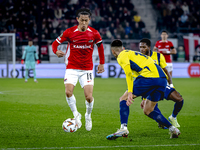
(68,93)
(179,98)
(147,111)
(121,98)
(89,98)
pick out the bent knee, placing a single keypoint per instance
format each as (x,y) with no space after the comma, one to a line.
(147,111)
(68,93)
(89,98)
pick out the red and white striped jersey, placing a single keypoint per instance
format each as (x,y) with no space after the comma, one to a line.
(165,46)
(80,47)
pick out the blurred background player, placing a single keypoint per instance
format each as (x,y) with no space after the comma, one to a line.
(29,55)
(166,48)
(150,83)
(79,64)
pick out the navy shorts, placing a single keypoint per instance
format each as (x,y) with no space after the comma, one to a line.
(168,91)
(151,88)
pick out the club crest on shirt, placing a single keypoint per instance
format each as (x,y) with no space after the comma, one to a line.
(155,61)
(90,41)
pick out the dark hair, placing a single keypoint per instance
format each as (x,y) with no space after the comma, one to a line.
(147,41)
(83,11)
(116,43)
(164,31)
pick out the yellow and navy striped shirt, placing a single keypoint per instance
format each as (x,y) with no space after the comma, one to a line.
(137,64)
(158,58)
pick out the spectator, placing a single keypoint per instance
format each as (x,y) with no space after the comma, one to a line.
(55,23)
(58,13)
(137,18)
(120,31)
(185,8)
(54,34)
(146,34)
(111,28)
(184,18)
(127,28)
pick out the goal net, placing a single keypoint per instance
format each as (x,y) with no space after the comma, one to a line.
(7,53)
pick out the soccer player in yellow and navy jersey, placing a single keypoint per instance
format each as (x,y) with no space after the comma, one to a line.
(150,83)
(170,92)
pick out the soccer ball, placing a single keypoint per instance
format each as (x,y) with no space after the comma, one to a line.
(69,125)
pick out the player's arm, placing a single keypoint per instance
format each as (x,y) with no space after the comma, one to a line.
(155,49)
(57,42)
(163,66)
(98,42)
(36,56)
(129,80)
(173,50)
(23,56)
(101,57)
(169,79)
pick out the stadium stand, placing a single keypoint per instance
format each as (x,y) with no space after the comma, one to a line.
(113,19)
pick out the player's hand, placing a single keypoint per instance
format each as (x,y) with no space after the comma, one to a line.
(100,68)
(60,53)
(22,61)
(165,52)
(130,99)
(142,104)
(38,61)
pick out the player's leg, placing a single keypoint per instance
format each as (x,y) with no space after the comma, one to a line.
(27,65)
(124,110)
(169,68)
(177,98)
(34,72)
(87,81)
(70,81)
(153,90)
(124,114)
(158,117)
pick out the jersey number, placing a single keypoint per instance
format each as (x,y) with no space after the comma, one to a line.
(89,76)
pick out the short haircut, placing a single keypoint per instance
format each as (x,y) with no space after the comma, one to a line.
(116,43)
(83,11)
(147,41)
(165,31)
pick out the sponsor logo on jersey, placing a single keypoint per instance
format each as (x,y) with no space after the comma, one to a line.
(82,46)
(167,45)
(90,41)
(164,49)
(75,40)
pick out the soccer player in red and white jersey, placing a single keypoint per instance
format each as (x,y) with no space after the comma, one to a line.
(167,49)
(79,64)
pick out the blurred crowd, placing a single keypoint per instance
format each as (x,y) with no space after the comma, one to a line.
(178,15)
(28,18)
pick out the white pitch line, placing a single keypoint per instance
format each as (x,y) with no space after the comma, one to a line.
(96,147)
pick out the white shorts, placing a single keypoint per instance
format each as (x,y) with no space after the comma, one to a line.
(85,77)
(169,67)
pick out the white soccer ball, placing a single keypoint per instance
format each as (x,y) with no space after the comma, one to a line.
(70,125)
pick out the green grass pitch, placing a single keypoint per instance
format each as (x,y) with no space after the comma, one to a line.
(31,117)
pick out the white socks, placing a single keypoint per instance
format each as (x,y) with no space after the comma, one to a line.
(72,104)
(89,107)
